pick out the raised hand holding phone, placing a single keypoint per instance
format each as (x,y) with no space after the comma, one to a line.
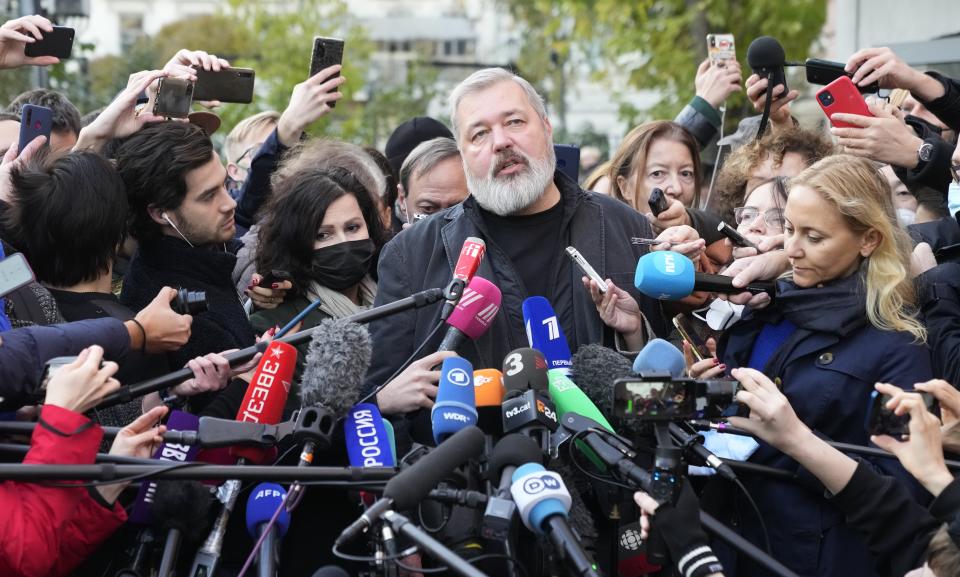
(16,35)
(880,136)
(309,101)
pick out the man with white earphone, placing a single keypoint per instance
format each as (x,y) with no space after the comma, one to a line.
(183,218)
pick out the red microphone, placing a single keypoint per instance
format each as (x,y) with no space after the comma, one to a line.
(267,395)
(471,254)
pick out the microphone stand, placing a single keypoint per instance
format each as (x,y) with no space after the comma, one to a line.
(429,545)
(127,394)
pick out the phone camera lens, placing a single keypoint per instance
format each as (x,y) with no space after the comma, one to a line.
(321,51)
(825,98)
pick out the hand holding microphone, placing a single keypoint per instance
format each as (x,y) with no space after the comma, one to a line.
(415,387)
(671,276)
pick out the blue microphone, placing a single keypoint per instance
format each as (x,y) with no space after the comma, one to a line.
(544,503)
(545,334)
(456,404)
(263,502)
(668,275)
(367,438)
(660,357)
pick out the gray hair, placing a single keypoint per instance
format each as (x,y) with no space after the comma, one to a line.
(426,156)
(482,79)
(319,154)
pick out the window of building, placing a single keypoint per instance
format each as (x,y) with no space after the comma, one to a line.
(131,30)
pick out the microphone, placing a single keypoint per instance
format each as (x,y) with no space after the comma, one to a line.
(368,442)
(331,571)
(668,275)
(471,255)
(660,357)
(544,502)
(488,391)
(456,405)
(262,504)
(473,314)
(337,360)
(412,485)
(766,55)
(570,398)
(508,454)
(182,508)
(263,402)
(178,421)
(545,334)
(524,369)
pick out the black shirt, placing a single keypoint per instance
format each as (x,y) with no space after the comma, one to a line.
(531,242)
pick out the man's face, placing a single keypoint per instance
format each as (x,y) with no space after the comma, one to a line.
(793,164)
(237,169)
(206,214)
(507,148)
(441,187)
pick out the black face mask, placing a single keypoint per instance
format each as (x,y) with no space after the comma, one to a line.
(342,265)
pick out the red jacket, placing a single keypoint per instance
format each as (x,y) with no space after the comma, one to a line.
(47,531)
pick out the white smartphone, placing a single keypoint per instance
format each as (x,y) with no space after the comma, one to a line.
(14,273)
(581,262)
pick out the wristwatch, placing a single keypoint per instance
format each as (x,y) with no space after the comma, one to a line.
(924,153)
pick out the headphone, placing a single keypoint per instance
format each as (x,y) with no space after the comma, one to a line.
(163,215)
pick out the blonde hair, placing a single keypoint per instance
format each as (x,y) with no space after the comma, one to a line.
(631,156)
(596,174)
(242,131)
(862,197)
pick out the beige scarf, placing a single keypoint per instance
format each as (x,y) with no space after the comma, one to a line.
(338,305)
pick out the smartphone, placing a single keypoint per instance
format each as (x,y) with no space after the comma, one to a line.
(658,201)
(721,47)
(824,72)
(841,96)
(588,270)
(326,53)
(227,85)
(174,97)
(275,276)
(696,333)
(34,121)
(58,42)
(735,237)
(882,421)
(50,369)
(568,160)
(15,272)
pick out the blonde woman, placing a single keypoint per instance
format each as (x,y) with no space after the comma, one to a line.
(841,323)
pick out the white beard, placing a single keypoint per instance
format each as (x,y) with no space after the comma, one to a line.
(512,193)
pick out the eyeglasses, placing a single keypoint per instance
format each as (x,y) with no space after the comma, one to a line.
(955,172)
(248,153)
(747,214)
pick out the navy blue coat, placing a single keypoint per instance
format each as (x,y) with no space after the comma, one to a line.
(827,369)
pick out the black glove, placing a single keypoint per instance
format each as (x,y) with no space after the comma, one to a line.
(679,527)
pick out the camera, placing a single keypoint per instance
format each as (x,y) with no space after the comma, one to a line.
(825,98)
(188,302)
(882,421)
(664,398)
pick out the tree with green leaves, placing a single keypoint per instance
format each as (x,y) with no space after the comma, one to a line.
(654,44)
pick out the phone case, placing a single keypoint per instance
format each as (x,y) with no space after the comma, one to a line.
(229,85)
(824,72)
(841,96)
(568,160)
(721,47)
(326,53)
(34,121)
(57,43)
(15,272)
(174,97)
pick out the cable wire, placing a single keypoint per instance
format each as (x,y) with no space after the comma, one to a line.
(403,366)
(756,510)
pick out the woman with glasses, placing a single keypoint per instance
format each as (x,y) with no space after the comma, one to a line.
(760,219)
(844,319)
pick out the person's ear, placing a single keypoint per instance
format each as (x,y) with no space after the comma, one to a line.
(401,193)
(869,242)
(621,184)
(158,215)
(233,171)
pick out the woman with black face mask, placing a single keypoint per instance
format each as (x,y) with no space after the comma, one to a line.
(321,226)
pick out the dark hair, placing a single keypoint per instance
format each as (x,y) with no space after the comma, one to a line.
(9,116)
(154,163)
(290,219)
(930,199)
(66,117)
(69,215)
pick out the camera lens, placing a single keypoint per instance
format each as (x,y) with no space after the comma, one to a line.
(825,98)
(189,302)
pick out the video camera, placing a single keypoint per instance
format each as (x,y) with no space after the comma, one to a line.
(660,397)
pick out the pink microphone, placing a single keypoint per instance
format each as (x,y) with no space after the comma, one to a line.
(473,314)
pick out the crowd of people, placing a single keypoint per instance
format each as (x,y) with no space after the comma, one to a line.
(119,209)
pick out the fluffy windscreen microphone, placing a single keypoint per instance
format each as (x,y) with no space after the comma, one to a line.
(595,368)
(337,360)
(764,53)
(182,510)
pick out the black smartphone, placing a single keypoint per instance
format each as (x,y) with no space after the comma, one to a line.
(882,421)
(58,42)
(735,237)
(824,72)
(174,97)
(275,276)
(227,85)
(326,53)
(34,121)
(568,160)
(658,201)
(695,332)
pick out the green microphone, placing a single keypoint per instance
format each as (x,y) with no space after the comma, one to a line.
(568,397)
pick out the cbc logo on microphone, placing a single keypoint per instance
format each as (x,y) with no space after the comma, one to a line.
(459,377)
(536,485)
